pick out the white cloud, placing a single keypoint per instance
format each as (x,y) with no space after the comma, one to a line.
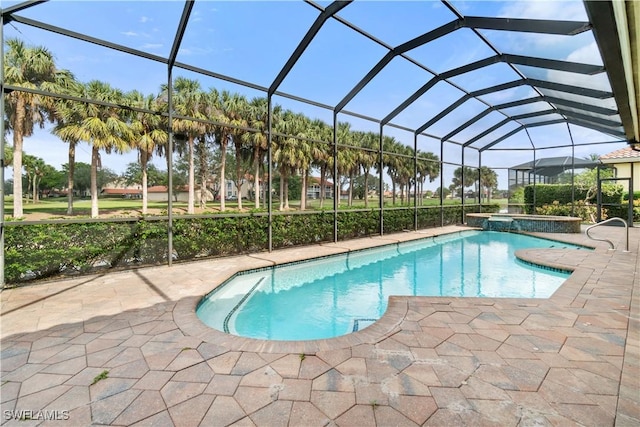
(129,34)
(587,55)
(145,19)
(151,46)
(196,16)
(545,9)
(194,51)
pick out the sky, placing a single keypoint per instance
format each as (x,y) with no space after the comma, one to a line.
(251,41)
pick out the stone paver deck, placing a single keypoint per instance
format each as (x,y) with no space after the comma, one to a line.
(126,348)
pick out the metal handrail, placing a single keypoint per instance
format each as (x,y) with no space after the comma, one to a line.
(626,227)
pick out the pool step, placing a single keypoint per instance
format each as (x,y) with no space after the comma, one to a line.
(362,323)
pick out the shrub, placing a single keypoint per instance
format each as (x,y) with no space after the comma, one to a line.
(517,196)
(636,210)
(358,224)
(547,194)
(586,212)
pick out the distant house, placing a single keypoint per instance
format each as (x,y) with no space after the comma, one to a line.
(118,188)
(127,193)
(626,163)
(232,191)
(314,188)
(160,193)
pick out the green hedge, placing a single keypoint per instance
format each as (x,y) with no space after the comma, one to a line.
(547,194)
(42,250)
(38,251)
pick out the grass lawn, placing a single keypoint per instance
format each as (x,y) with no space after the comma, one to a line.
(56,208)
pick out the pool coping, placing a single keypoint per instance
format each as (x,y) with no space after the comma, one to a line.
(389,323)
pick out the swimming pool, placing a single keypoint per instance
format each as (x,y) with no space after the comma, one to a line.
(333,296)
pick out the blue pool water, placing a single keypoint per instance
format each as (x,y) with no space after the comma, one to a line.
(336,295)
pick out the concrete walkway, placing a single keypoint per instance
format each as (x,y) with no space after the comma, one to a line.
(126,348)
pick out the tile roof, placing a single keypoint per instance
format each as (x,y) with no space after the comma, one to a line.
(623,153)
(121,191)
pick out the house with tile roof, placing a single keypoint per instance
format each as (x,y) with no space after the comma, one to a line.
(626,162)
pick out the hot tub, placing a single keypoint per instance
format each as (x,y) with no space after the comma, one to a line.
(523,222)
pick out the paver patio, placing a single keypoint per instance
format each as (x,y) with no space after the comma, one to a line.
(572,359)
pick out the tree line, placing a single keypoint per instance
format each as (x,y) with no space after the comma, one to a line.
(117,121)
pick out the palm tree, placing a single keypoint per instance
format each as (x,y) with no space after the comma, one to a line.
(321,152)
(392,162)
(104,128)
(234,111)
(8,154)
(345,156)
(488,180)
(304,158)
(348,165)
(68,118)
(190,103)
(257,116)
(594,157)
(205,165)
(149,135)
(39,168)
(367,159)
(27,164)
(470,177)
(288,151)
(224,108)
(257,112)
(31,68)
(404,171)
(428,167)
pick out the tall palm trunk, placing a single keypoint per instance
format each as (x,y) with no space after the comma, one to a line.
(323,180)
(95,156)
(281,191)
(28,193)
(222,179)
(303,191)
(350,203)
(239,173)
(286,192)
(366,188)
(393,190)
(144,158)
(192,179)
(18,131)
(264,194)
(166,158)
(337,192)
(202,154)
(239,178)
(256,177)
(34,187)
(71,171)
